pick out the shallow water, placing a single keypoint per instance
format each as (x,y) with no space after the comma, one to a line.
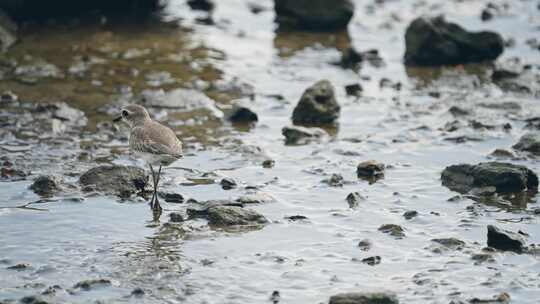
(77,238)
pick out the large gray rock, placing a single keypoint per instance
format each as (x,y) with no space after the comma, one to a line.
(319,15)
(504,177)
(529,142)
(119,180)
(295,135)
(504,240)
(434,41)
(48,185)
(224,216)
(318,105)
(364,298)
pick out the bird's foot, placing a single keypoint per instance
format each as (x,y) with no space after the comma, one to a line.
(156,210)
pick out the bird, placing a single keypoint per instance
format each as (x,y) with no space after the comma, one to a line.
(153,142)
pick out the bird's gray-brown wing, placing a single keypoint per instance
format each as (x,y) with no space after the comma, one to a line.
(155,138)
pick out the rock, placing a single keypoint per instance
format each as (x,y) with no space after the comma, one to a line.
(176,217)
(410,214)
(32,72)
(354,199)
(255,198)
(268,163)
(504,240)
(32,300)
(200,209)
(294,218)
(364,298)
(353,59)
(529,142)
(48,185)
(320,15)
(502,154)
(20,267)
(243,115)
(201,5)
(336,180)
(451,243)
(434,41)
(119,180)
(91,284)
(182,100)
(171,197)
(505,177)
(318,105)
(480,258)
(354,89)
(365,245)
(370,169)
(502,298)
(228,183)
(393,230)
(295,135)
(8,31)
(372,261)
(137,292)
(225,216)
(458,111)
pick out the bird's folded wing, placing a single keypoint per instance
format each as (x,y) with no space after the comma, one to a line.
(140,141)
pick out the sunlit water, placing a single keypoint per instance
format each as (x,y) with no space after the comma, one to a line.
(306,261)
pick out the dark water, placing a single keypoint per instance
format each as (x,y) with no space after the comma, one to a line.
(76,238)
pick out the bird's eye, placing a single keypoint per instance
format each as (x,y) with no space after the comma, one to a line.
(125,113)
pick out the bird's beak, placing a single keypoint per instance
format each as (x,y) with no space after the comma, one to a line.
(117,119)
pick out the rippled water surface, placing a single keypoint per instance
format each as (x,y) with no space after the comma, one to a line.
(72,237)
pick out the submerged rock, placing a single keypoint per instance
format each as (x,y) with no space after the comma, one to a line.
(364,298)
(323,15)
(504,240)
(370,169)
(228,183)
(119,180)
(505,177)
(318,105)
(450,243)
(393,230)
(201,5)
(529,142)
(224,216)
(48,185)
(372,261)
(408,215)
(354,199)
(33,300)
(434,41)
(183,100)
(91,284)
(336,180)
(243,115)
(295,135)
(365,245)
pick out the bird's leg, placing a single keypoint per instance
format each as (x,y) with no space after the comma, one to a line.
(156,206)
(154,184)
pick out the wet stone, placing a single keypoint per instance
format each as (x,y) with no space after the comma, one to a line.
(295,135)
(176,217)
(354,199)
(294,218)
(119,180)
(91,284)
(480,258)
(364,298)
(200,209)
(137,292)
(370,169)
(47,185)
(255,198)
(502,298)
(171,197)
(502,154)
(434,41)
(224,216)
(408,215)
(529,142)
(32,300)
(201,5)
(320,15)
(365,245)
(20,267)
(450,243)
(392,229)
(505,177)
(336,180)
(504,240)
(51,290)
(354,89)
(372,261)
(318,105)
(268,163)
(228,183)
(243,115)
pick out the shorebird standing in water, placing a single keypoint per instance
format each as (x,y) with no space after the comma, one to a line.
(153,142)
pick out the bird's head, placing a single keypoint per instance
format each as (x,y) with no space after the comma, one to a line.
(133,115)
